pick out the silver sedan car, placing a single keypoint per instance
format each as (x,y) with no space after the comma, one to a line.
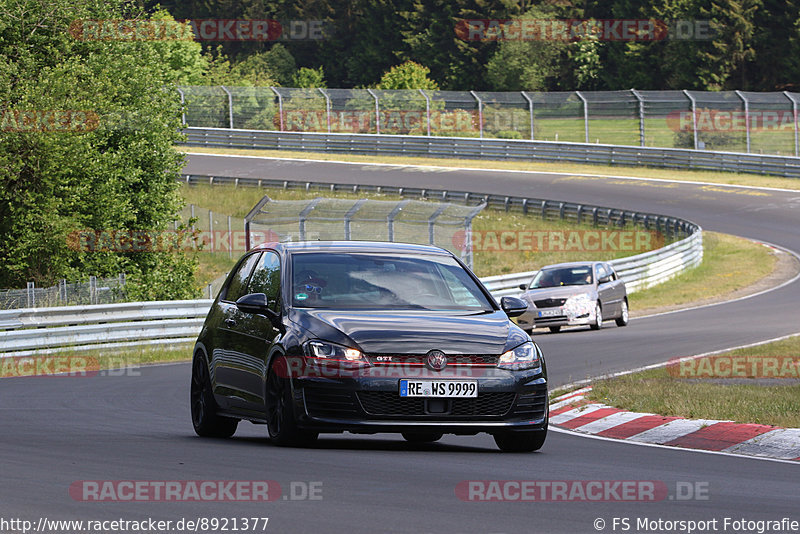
(573,294)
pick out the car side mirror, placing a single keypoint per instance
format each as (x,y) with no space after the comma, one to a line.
(258,303)
(604,279)
(513,306)
(523,286)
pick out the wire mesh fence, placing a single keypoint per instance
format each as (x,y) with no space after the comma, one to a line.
(442,224)
(733,121)
(93,291)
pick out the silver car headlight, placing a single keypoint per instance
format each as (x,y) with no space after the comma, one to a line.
(525,356)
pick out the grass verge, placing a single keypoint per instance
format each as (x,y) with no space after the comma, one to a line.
(664,391)
(729,263)
(725,178)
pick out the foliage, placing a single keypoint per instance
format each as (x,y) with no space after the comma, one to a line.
(110,165)
(309,78)
(409,75)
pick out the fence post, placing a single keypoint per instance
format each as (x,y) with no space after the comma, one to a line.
(230,106)
(349,215)
(303,214)
(93,290)
(585,115)
(327,107)
(694,115)
(230,238)
(480,112)
(427,110)
(641,115)
(432,223)
(377,112)
(530,109)
(794,122)
(746,117)
(62,293)
(183,106)
(31,293)
(211,230)
(392,215)
(280,105)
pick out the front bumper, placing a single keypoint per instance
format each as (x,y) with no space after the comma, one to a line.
(506,401)
(553,317)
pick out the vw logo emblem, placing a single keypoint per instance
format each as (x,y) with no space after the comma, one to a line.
(437,360)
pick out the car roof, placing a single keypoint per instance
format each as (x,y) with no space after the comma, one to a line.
(572,264)
(379,247)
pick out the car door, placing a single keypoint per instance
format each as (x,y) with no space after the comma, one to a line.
(618,287)
(254,334)
(228,353)
(605,291)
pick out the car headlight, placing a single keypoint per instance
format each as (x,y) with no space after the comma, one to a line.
(525,356)
(324,351)
(578,305)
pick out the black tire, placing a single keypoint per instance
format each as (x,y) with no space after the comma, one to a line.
(207,423)
(520,441)
(555,329)
(622,320)
(598,322)
(422,437)
(281,423)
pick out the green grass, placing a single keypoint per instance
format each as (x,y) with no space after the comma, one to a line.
(729,263)
(717,177)
(742,400)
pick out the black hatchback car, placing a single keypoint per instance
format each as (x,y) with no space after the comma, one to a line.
(366,337)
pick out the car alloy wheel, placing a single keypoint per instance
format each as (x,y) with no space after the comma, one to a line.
(205,420)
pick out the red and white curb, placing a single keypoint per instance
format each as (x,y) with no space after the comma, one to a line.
(574,412)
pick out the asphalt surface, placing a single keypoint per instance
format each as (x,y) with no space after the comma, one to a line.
(59,430)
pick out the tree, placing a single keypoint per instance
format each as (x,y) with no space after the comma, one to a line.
(309,78)
(409,75)
(100,151)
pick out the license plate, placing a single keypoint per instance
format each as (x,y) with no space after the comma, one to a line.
(550,313)
(439,388)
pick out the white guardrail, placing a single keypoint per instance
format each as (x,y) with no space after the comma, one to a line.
(24,332)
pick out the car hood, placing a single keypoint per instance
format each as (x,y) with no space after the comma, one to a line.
(556,292)
(412,332)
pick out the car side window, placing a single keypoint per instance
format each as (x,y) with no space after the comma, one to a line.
(267,278)
(238,281)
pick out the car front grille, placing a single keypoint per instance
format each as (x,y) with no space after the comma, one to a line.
(390,403)
(549,303)
(482,360)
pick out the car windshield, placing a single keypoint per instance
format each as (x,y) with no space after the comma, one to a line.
(562,276)
(380,282)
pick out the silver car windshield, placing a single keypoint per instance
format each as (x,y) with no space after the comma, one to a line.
(381,282)
(563,276)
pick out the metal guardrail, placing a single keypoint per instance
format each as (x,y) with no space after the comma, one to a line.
(25,332)
(496,149)
(47,330)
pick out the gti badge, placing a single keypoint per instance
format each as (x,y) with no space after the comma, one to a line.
(437,360)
